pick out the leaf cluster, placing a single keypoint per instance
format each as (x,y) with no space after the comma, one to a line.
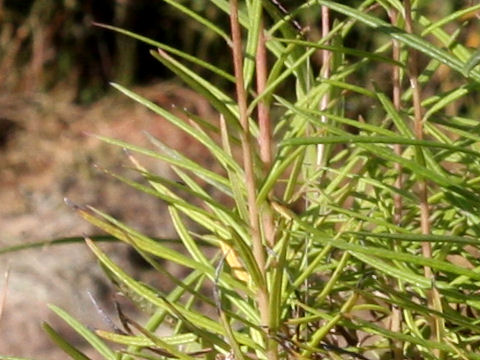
(322,261)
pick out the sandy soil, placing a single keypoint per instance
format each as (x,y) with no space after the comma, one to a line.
(45,156)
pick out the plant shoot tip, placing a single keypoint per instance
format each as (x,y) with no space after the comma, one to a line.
(70,203)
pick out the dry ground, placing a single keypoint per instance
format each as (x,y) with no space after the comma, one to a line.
(45,155)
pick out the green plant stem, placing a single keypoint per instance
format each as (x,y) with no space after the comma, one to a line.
(265,143)
(418,130)
(433,295)
(396,97)
(258,249)
(396,314)
(318,336)
(325,73)
(245,136)
(265,136)
(263,108)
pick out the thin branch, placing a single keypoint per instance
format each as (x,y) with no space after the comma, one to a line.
(434,300)
(396,96)
(418,127)
(258,248)
(396,315)
(263,108)
(325,73)
(245,135)
(264,124)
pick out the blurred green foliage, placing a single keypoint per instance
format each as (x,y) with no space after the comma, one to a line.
(47,43)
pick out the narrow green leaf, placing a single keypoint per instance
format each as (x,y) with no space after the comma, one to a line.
(271,86)
(411,40)
(420,237)
(63,241)
(278,168)
(278,291)
(201,217)
(246,254)
(408,258)
(315,117)
(127,235)
(189,243)
(389,254)
(399,274)
(143,341)
(162,345)
(190,130)
(367,180)
(323,330)
(387,154)
(448,98)
(172,50)
(158,317)
(351,139)
(174,200)
(228,331)
(254,16)
(183,159)
(189,165)
(472,62)
(82,330)
(399,122)
(436,175)
(63,344)
(238,186)
(428,344)
(197,320)
(224,104)
(348,86)
(349,51)
(449,18)
(225,216)
(205,22)
(399,299)
(405,130)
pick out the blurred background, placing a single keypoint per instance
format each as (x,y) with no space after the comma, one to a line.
(50,44)
(55,69)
